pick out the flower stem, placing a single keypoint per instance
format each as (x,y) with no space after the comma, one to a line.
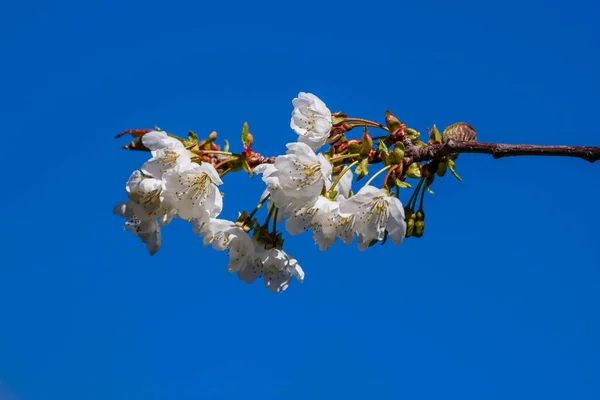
(224,162)
(346,156)
(339,178)
(381,171)
(275,223)
(225,153)
(414,195)
(422,196)
(258,206)
(269,216)
(222,174)
(356,122)
(387,176)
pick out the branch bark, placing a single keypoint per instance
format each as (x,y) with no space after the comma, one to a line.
(498,150)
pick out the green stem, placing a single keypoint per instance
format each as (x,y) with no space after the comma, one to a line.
(225,153)
(339,178)
(258,206)
(356,122)
(381,171)
(422,196)
(269,216)
(222,174)
(339,158)
(387,176)
(275,222)
(413,197)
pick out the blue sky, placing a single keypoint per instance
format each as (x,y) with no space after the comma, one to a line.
(498,300)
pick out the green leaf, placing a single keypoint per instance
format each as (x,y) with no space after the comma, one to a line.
(402,184)
(363,167)
(414,171)
(441,169)
(192,138)
(226,146)
(245,132)
(412,134)
(337,119)
(451,165)
(397,155)
(381,146)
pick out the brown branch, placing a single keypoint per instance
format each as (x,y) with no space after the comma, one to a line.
(497,150)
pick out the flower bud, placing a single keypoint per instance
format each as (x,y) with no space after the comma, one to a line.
(442,168)
(435,135)
(392,122)
(460,131)
(409,216)
(419,224)
(366,145)
(212,137)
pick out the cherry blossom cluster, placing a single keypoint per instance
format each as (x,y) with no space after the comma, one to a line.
(307,189)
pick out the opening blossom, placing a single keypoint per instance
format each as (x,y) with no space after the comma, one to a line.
(311,120)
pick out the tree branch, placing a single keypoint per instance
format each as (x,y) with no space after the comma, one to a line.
(498,150)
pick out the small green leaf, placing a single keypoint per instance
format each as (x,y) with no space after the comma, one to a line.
(402,184)
(392,122)
(414,171)
(226,146)
(192,138)
(441,169)
(337,119)
(412,134)
(245,132)
(381,146)
(454,173)
(451,165)
(397,155)
(430,191)
(364,166)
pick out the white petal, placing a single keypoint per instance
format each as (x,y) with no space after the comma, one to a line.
(210,170)
(396,225)
(302,151)
(251,273)
(156,140)
(344,186)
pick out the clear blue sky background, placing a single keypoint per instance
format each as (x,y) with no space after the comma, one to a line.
(500,298)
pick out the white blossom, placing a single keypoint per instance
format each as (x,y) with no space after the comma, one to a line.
(374,212)
(330,223)
(149,207)
(195,190)
(147,231)
(276,267)
(270,176)
(311,120)
(225,235)
(149,200)
(211,230)
(166,152)
(278,270)
(301,174)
